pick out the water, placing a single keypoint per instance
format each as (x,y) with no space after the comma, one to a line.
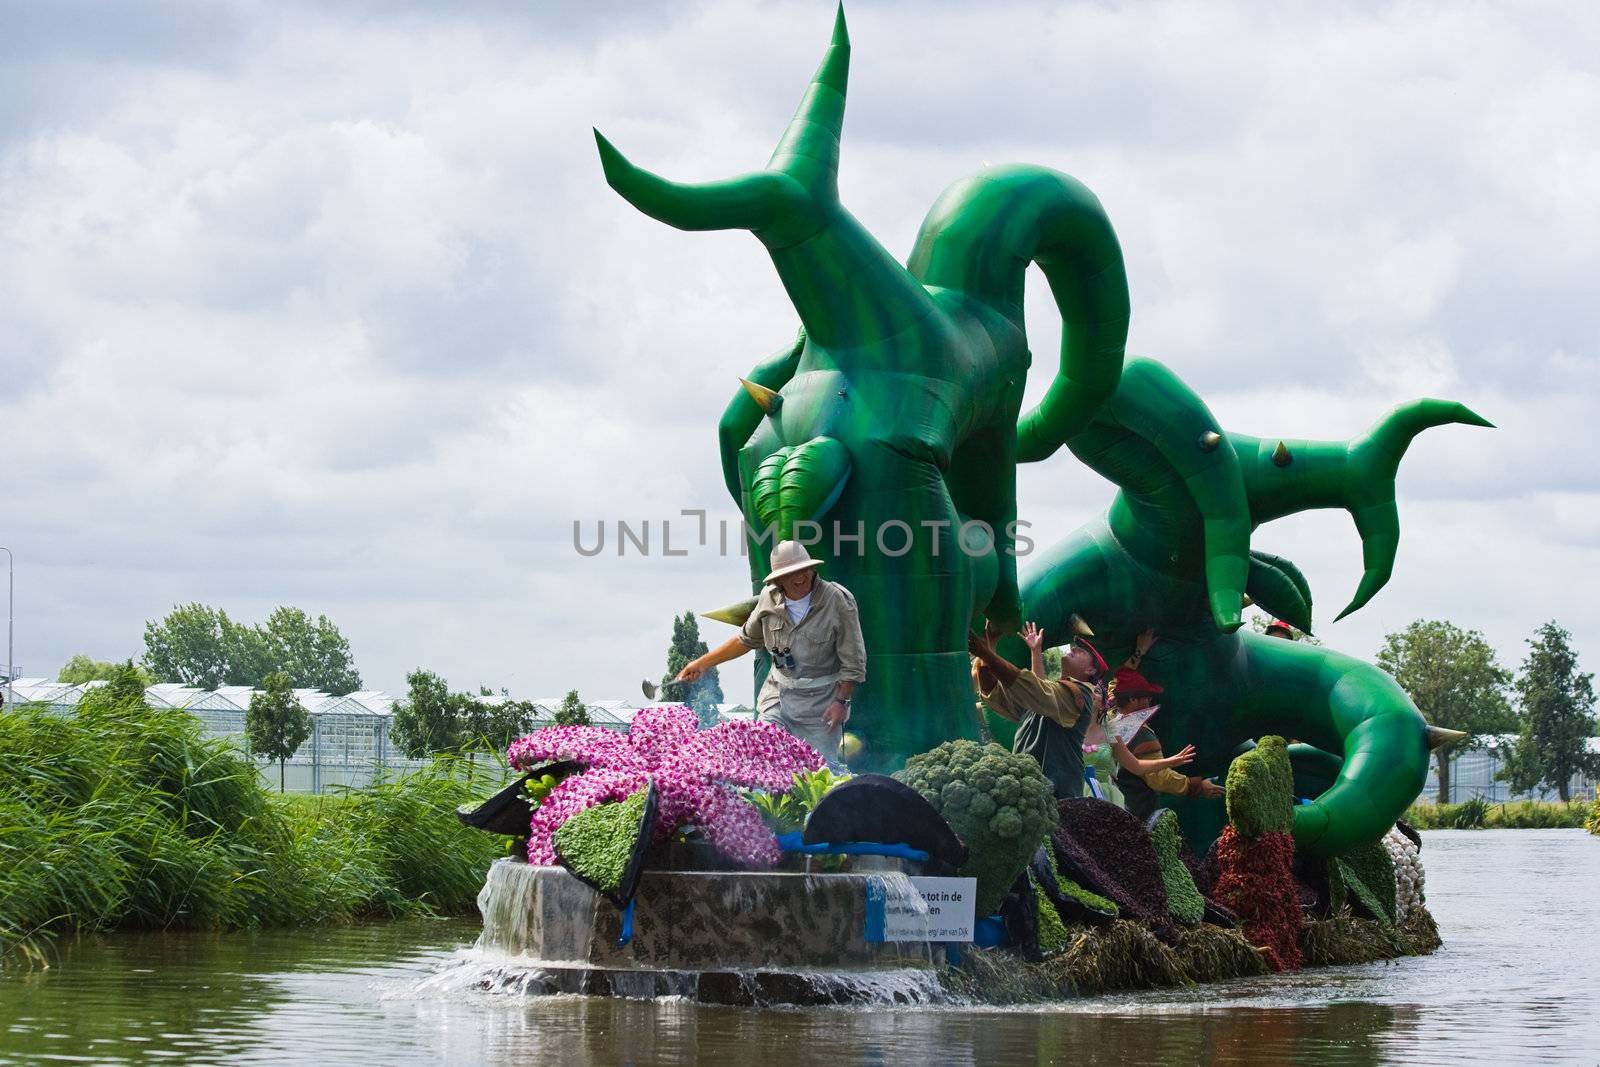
(1518,981)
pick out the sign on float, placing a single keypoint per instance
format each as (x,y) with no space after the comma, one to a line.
(949,915)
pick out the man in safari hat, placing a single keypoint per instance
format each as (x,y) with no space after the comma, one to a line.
(810,628)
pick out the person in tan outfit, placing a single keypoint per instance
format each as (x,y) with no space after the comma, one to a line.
(811,629)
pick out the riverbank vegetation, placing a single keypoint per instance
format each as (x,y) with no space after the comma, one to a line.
(125,816)
(1480,814)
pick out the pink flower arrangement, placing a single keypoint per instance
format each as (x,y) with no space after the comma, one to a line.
(694,770)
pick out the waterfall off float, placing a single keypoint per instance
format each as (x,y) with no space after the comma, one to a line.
(713,936)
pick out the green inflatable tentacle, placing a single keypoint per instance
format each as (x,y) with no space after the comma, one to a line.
(1279,589)
(900,406)
(848,290)
(1359,476)
(979,238)
(1339,704)
(1190,491)
(1189,497)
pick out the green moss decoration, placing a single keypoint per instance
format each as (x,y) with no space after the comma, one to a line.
(598,842)
(1052,931)
(1261,789)
(1083,896)
(998,802)
(1183,898)
(1365,876)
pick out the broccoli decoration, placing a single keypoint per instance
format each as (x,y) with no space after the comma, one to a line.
(999,803)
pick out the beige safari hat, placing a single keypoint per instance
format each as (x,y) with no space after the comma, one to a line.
(789,557)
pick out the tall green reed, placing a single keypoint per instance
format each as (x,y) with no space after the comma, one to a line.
(129,816)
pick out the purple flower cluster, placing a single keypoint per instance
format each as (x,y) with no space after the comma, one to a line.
(694,771)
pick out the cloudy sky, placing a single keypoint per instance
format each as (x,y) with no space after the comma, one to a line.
(329,305)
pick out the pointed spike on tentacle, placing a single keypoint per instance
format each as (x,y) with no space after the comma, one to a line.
(733,614)
(770,400)
(1249,601)
(1209,441)
(1281,456)
(1439,736)
(1078,627)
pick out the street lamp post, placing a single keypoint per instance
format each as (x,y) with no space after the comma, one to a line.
(11,656)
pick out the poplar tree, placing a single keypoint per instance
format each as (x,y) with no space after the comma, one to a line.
(703,695)
(1557,703)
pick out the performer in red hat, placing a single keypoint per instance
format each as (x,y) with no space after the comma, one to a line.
(1141,785)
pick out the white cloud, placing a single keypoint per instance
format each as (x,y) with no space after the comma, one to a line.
(335,309)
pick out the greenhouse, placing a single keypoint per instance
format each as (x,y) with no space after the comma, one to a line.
(349,739)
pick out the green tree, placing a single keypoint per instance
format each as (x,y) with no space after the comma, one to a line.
(189,646)
(125,688)
(491,724)
(1453,677)
(314,654)
(1557,702)
(705,694)
(275,723)
(427,721)
(81,668)
(572,711)
(200,646)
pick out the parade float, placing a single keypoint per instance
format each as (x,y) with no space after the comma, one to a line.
(716,864)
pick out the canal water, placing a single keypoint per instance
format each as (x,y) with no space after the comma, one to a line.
(1517,982)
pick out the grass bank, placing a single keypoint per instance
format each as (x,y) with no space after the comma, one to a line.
(1479,814)
(130,817)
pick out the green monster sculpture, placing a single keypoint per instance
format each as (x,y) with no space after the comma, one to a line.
(895,412)
(895,415)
